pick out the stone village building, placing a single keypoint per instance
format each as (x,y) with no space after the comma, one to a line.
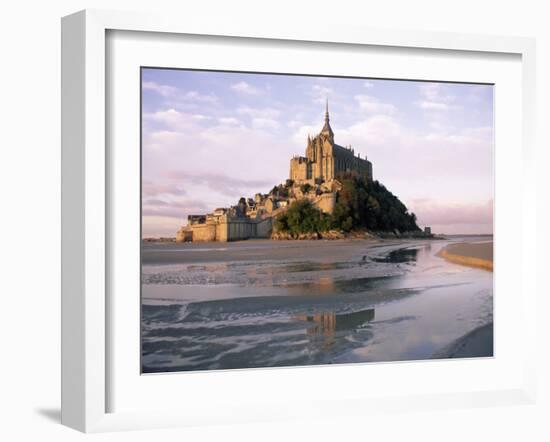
(324,160)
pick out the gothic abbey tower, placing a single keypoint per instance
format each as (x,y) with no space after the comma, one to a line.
(325,160)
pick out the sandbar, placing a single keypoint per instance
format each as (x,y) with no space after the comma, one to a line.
(479,254)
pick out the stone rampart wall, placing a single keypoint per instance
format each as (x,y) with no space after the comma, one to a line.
(240,229)
(204,232)
(264,228)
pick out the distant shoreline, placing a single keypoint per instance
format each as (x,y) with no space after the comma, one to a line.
(478,255)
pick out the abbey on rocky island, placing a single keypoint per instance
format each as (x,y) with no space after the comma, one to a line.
(313,177)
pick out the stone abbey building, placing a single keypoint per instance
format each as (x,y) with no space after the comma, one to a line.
(253,218)
(325,159)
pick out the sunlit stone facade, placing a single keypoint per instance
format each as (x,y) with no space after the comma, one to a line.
(324,160)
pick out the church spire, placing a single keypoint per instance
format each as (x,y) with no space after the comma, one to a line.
(327,130)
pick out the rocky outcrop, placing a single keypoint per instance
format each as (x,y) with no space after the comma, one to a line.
(289,236)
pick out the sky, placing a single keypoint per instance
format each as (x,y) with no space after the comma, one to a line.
(209,138)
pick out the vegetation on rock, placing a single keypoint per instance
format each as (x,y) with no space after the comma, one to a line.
(361,204)
(303,217)
(368,204)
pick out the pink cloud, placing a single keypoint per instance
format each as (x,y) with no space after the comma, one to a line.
(173,209)
(430,212)
(150,189)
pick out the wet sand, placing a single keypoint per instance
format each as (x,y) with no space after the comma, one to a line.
(475,344)
(261,303)
(257,249)
(470,254)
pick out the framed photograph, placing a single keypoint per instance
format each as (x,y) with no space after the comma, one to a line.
(271,222)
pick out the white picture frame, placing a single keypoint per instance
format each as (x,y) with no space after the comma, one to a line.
(86,208)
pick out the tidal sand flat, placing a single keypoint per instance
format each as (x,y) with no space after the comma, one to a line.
(478,254)
(476,343)
(262,303)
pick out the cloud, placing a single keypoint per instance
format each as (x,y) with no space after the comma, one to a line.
(159,226)
(151,189)
(252,112)
(321,93)
(436,97)
(196,96)
(174,93)
(171,118)
(170,124)
(173,209)
(161,89)
(245,88)
(158,140)
(434,212)
(225,184)
(173,137)
(294,123)
(200,117)
(433,105)
(467,138)
(228,121)
(435,92)
(156,202)
(374,131)
(373,105)
(265,123)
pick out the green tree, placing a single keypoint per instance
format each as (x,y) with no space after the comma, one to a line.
(368,204)
(360,204)
(302,217)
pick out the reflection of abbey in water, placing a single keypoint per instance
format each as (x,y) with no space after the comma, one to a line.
(328,323)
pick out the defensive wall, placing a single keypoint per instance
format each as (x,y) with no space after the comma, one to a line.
(227,229)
